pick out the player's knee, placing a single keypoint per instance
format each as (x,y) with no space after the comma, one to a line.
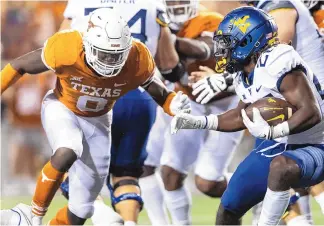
(77,211)
(283,170)
(63,159)
(211,188)
(148,171)
(226,216)
(126,195)
(172,179)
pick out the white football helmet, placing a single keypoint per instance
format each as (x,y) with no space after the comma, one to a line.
(181,11)
(107,42)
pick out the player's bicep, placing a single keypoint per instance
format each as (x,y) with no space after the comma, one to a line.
(296,89)
(30,63)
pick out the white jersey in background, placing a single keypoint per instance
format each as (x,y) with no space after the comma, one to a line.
(266,79)
(307,41)
(140,14)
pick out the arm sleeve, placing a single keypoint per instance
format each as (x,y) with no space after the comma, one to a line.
(269,6)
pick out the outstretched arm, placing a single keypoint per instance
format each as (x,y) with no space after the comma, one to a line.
(229,121)
(30,63)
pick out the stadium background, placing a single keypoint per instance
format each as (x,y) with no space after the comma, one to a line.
(25,25)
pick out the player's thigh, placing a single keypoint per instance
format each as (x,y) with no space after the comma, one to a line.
(310,160)
(61,125)
(216,154)
(181,149)
(136,122)
(155,143)
(88,174)
(248,184)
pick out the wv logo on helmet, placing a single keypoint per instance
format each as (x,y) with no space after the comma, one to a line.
(242,23)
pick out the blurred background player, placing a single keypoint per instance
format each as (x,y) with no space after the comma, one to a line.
(149,24)
(194,45)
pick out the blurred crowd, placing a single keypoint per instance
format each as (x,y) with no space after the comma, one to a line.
(25,27)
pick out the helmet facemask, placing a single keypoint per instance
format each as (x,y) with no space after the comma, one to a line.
(107,63)
(180,12)
(223,46)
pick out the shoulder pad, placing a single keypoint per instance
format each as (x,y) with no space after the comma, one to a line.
(269,6)
(281,59)
(162,18)
(62,49)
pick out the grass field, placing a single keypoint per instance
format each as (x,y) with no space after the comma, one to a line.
(203,210)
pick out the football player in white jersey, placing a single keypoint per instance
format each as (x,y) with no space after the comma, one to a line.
(177,154)
(149,24)
(291,154)
(294,24)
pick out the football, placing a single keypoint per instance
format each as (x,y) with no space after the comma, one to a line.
(273,110)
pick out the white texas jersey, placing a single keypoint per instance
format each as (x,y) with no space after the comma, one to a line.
(265,81)
(140,14)
(307,41)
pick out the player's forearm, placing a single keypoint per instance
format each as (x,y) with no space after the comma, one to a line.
(166,56)
(230,121)
(192,48)
(160,94)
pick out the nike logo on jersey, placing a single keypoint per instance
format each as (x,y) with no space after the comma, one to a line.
(258,89)
(75,78)
(281,116)
(117,85)
(45,178)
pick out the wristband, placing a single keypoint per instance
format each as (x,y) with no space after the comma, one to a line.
(211,122)
(9,75)
(280,130)
(166,105)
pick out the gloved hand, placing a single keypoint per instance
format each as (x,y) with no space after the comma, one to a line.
(187,121)
(207,88)
(180,103)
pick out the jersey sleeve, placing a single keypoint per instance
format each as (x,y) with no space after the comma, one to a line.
(146,67)
(278,63)
(269,6)
(62,49)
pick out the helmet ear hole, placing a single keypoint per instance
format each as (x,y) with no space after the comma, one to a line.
(246,41)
